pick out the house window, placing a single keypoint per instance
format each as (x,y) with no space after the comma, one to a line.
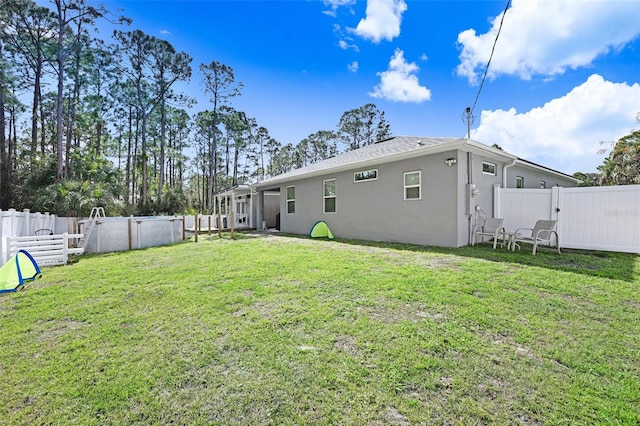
(488,168)
(519,182)
(365,175)
(543,184)
(329,195)
(412,185)
(291,199)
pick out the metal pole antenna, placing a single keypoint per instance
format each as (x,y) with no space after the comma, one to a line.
(468,118)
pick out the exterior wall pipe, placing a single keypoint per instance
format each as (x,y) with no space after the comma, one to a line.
(504,172)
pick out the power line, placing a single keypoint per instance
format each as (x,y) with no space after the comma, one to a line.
(491,56)
(467,115)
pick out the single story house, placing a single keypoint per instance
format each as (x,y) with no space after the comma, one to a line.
(417,190)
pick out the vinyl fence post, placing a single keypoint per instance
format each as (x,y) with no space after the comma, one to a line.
(65,247)
(27,223)
(98,238)
(219,216)
(12,222)
(7,248)
(196,227)
(496,201)
(556,213)
(129,233)
(138,234)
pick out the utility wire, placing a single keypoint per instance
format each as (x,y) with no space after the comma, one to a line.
(491,56)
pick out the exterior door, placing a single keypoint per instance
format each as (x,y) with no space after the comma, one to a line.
(241,213)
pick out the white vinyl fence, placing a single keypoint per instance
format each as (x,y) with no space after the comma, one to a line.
(47,250)
(32,232)
(127,233)
(24,223)
(15,223)
(592,218)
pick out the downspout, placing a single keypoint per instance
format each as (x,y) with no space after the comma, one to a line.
(469,195)
(504,172)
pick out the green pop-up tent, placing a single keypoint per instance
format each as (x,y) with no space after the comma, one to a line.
(321,229)
(19,269)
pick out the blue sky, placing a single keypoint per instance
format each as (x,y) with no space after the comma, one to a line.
(565,73)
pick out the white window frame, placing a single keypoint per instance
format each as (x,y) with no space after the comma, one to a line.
(405,186)
(492,165)
(291,200)
(325,197)
(365,179)
(521,180)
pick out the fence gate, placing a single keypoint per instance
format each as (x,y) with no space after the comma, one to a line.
(591,218)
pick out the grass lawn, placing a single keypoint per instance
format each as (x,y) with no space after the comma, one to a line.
(284,330)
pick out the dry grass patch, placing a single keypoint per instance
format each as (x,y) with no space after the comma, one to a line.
(392,312)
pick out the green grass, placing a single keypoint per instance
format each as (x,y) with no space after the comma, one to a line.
(285,330)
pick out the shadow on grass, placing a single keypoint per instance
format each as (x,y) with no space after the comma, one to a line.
(618,266)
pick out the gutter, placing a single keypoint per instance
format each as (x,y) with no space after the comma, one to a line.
(426,150)
(534,166)
(546,169)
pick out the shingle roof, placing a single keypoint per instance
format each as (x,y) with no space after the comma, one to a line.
(394,149)
(383,151)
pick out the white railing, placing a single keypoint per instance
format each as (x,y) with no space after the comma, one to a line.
(47,250)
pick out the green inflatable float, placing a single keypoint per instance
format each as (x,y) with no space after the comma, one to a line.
(19,269)
(320,230)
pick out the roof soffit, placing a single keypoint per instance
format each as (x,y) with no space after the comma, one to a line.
(420,151)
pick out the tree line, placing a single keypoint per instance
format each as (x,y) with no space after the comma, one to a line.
(622,164)
(88,121)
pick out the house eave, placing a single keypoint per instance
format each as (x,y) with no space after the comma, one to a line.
(418,152)
(240,189)
(478,147)
(489,151)
(463,144)
(547,170)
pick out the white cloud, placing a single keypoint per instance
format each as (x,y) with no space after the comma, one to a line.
(382,21)
(399,83)
(424,57)
(565,133)
(345,42)
(353,66)
(344,45)
(165,32)
(543,37)
(335,4)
